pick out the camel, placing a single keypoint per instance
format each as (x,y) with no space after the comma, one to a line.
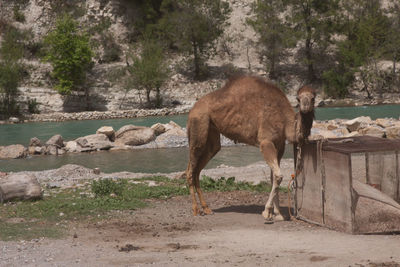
(247,109)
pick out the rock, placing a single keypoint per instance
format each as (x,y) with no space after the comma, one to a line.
(158,128)
(393,132)
(19,186)
(13,120)
(13,152)
(35,142)
(321,134)
(51,150)
(384,122)
(94,142)
(357,123)
(175,137)
(108,131)
(171,125)
(373,131)
(56,140)
(39,150)
(134,135)
(36,150)
(72,146)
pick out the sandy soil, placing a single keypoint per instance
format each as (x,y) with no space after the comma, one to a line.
(166,234)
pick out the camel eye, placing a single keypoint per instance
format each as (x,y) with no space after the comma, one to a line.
(298,99)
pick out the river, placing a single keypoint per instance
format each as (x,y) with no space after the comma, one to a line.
(156,160)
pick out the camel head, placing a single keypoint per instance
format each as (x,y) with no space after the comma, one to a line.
(306,99)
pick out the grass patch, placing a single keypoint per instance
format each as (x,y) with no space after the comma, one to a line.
(28,231)
(91,202)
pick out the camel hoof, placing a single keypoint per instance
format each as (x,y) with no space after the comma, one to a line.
(196,212)
(208,211)
(267,215)
(278,218)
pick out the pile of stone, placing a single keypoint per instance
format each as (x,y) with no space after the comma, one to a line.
(99,115)
(386,128)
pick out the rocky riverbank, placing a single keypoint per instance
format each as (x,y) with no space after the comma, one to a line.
(172,135)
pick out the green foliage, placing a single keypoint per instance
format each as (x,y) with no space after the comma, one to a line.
(18,15)
(275,35)
(194,27)
(33,106)
(149,71)
(209,184)
(28,231)
(105,187)
(69,53)
(112,51)
(314,21)
(11,52)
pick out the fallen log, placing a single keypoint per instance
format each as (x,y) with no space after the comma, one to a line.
(19,186)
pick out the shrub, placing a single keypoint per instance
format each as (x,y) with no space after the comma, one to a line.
(69,53)
(18,15)
(33,106)
(105,187)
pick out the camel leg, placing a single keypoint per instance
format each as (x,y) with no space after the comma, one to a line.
(213,145)
(271,157)
(189,179)
(277,214)
(204,143)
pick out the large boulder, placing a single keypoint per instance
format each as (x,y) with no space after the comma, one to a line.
(393,132)
(174,137)
(55,140)
(108,131)
(132,135)
(19,186)
(13,152)
(357,123)
(94,142)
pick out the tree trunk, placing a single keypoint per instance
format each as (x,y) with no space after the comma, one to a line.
(196,60)
(148,97)
(158,98)
(19,186)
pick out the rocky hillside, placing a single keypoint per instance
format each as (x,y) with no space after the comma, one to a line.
(112,22)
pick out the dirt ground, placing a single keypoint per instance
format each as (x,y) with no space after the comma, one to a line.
(166,234)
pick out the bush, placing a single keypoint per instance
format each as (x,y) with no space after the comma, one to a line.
(105,187)
(69,53)
(18,15)
(33,106)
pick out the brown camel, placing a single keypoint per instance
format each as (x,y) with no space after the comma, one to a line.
(252,111)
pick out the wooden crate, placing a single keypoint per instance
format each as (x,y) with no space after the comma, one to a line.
(327,193)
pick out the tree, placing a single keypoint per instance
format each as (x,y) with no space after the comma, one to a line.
(70,54)
(194,27)
(393,39)
(11,52)
(314,20)
(149,71)
(275,35)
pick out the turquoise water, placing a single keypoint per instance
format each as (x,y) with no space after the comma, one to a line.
(153,160)
(69,130)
